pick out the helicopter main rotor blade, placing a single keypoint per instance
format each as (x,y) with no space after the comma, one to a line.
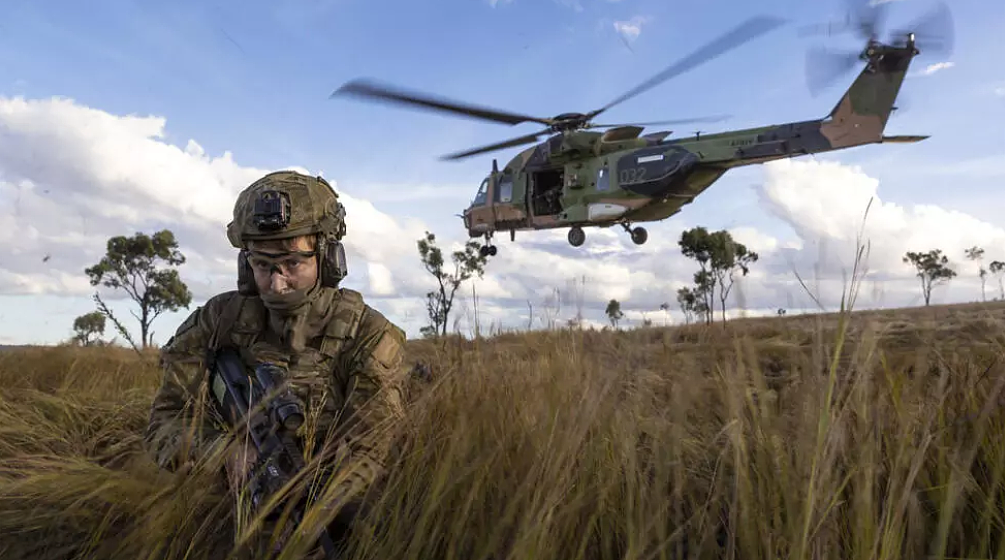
(824,66)
(718,118)
(371,90)
(743,33)
(525,139)
(829,29)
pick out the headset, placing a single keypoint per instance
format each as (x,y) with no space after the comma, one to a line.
(272,212)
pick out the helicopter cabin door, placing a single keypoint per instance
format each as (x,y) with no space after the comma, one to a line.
(545,193)
(508,210)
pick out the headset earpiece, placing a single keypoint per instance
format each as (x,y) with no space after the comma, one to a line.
(333,263)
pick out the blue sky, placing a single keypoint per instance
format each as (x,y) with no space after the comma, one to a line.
(253,79)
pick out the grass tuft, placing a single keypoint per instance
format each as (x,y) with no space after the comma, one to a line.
(854,435)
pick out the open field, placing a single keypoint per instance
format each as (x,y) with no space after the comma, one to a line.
(802,437)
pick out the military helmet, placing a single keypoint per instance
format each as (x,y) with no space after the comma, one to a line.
(285,204)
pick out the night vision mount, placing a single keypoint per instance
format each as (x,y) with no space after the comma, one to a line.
(272,210)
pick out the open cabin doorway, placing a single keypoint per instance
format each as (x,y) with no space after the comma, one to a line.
(546,191)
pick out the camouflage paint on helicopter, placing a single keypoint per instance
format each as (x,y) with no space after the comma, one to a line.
(632,178)
(580,178)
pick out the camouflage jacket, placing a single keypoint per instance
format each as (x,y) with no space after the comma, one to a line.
(349,379)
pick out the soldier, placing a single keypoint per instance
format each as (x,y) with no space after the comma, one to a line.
(344,359)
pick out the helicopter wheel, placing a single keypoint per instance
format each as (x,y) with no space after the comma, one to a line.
(576,236)
(488,249)
(639,235)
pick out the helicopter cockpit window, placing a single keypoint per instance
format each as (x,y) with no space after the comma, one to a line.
(603,180)
(483,194)
(505,189)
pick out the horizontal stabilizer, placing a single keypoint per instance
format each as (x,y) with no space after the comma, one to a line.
(902,139)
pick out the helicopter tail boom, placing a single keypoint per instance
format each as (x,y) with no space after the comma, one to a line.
(859,118)
(861,115)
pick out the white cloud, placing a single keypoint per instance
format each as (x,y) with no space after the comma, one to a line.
(825,202)
(73,176)
(631,29)
(754,240)
(933,68)
(76,176)
(381,283)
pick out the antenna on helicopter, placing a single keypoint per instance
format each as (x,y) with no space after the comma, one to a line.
(495,166)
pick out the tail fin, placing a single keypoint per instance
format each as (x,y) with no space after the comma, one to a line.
(861,115)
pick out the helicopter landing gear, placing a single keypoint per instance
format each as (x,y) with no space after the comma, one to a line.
(639,234)
(488,249)
(576,236)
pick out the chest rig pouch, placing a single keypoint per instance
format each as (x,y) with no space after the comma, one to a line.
(320,375)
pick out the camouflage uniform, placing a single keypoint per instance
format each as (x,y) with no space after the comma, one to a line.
(345,366)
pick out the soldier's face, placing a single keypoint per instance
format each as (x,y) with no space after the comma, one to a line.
(283,266)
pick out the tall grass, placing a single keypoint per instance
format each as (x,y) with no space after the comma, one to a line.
(848,437)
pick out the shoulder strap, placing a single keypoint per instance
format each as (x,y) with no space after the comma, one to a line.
(231,311)
(344,323)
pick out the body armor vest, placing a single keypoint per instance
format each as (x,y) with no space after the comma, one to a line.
(318,375)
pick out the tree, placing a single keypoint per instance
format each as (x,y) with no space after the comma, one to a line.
(696,244)
(933,268)
(665,308)
(728,256)
(975,253)
(704,289)
(88,325)
(719,257)
(439,303)
(614,313)
(692,303)
(130,265)
(998,269)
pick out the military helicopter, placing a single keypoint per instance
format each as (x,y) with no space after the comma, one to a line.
(582,178)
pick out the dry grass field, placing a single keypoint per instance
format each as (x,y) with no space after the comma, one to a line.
(864,435)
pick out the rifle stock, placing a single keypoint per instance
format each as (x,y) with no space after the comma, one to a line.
(271,428)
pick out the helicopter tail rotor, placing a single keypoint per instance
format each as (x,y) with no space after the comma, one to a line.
(864,18)
(931,34)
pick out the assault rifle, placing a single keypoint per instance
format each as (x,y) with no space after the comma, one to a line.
(271,427)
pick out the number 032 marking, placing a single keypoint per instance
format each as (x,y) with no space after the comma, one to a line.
(632,175)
